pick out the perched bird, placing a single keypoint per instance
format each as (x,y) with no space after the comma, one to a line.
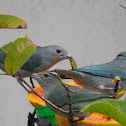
(99,77)
(42,59)
(56,93)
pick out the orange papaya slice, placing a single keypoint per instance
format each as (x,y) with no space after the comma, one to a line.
(94,119)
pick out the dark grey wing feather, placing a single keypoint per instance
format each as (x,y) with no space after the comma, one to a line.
(86,95)
(2,57)
(59,96)
(34,61)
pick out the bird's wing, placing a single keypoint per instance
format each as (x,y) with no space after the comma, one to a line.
(2,56)
(103,71)
(96,70)
(33,63)
(59,97)
(87,95)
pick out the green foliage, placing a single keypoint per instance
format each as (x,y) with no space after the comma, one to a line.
(12,22)
(3,24)
(6,47)
(73,64)
(63,76)
(18,54)
(115,109)
(74,67)
(26,35)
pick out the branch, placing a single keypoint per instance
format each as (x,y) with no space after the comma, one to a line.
(55,107)
(116,86)
(122,6)
(71,121)
(65,86)
(116,80)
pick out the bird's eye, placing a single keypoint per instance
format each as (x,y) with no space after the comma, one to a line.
(58,51)
(46,75)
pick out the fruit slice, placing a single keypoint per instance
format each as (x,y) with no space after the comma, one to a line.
(75,84)
(35,100)
(94,119)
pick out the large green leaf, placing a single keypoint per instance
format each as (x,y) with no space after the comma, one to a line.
(6,47)
(19,52)
(112,108)
(3,24)
(12,22)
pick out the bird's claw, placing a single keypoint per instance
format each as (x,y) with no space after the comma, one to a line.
(74,121)
(79,119)
(70,119)
(114,94)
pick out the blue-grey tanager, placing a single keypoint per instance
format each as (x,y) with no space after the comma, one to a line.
(42,59)
(99,77)
(56,93)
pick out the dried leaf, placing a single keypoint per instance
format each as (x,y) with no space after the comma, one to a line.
(12,22)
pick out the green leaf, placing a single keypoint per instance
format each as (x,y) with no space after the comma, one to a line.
(74,67)
(9,21)
(63,76)
(6,47)
(3,24)
(26,35)
(19,52)
(115,109)
(73,64)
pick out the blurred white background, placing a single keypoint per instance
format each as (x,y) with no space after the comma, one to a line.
(93,31)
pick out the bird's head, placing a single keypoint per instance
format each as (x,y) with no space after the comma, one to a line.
(46,79)
(57,53)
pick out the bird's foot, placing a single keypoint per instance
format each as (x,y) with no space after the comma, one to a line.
(114,94)
(79,119)
(72,120)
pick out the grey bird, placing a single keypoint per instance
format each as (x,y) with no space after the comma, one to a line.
(56,93)
(99,77)
(42,59)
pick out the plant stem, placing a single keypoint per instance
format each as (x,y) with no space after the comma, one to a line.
(69,101)
(122,6)
(22,79)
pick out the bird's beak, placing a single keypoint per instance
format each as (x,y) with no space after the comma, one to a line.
(68,56)
(35,76)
